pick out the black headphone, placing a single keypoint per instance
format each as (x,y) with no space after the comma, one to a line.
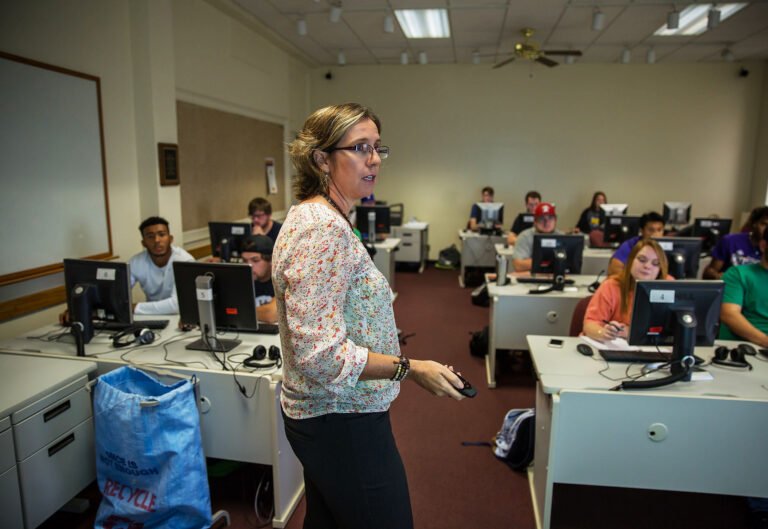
(737,356)
(257,359)
(133,336)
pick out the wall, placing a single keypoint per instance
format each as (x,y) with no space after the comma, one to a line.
(641,133)
(759,194)
(148,54)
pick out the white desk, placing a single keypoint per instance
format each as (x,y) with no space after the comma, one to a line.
(233,427)
(414,248)
(708,436)
(385,259)
(478,250)
(595,260)
(515,313)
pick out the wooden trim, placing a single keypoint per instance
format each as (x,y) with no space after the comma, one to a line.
(24,305)
(200,251)
(41,271)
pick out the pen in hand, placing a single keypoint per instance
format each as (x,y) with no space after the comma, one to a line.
(618,328)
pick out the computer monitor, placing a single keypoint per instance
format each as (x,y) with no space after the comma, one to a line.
(682,254)
(620,228)
(557,255)
(677,213)
(227,238)
(683,314)
(710,231)
(96,290)
(215,296)
(613,210)
(379,228)
(491,214)
(524,220)
(396,214)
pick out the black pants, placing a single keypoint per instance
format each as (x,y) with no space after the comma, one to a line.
(353,475)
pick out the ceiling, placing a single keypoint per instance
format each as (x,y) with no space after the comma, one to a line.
(488,30)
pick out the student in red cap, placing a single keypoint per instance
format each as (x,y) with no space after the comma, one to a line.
(544,221)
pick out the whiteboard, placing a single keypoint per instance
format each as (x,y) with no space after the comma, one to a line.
(53,202)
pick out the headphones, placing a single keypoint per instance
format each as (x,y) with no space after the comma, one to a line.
(133,336)
(737,356)
(257,359)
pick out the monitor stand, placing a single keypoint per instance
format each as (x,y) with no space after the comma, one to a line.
(208,340)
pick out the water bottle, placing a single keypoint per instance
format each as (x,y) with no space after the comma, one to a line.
(501,270)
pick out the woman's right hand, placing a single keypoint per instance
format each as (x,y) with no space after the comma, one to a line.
(436,378)
(612,330)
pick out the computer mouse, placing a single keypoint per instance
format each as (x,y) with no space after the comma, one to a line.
(585,349)
(746,349)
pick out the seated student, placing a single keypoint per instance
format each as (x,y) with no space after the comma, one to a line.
(532,199)
(257,253)
(475,216)
(544,221)
(651,225)
(610,310)
(260,211)
(593,217)
(738,248)
(153,268)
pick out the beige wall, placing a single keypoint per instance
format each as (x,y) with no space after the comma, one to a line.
(641,133)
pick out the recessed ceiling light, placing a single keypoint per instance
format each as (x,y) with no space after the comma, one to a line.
(695,17)
(424,23)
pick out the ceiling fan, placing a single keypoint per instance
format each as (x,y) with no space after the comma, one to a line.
(530,50)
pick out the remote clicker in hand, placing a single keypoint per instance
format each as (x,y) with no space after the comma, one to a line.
(467,390)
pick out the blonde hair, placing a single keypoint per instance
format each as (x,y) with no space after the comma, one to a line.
(322,130)
(627,282)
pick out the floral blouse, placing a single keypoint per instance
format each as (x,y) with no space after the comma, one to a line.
(334,307)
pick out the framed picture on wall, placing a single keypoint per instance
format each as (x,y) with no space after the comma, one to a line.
(168,157)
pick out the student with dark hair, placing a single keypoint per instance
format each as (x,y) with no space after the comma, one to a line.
(257,253)
(260,211)
(738,248)
(651,225)
(475,216)
(532,199)
(593,217)
(153,268)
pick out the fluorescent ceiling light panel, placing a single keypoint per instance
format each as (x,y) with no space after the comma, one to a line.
(693,19)
(424,23)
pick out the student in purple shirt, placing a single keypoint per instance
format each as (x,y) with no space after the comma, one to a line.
(651,225)
(738,248)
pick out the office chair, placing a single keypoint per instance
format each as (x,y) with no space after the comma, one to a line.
(577,319)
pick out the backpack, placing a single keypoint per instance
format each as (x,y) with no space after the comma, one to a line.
(514,443)
(480,296)
(448,258)
(478,342)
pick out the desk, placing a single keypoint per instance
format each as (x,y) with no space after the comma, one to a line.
(478,250)
(233,427)
(516,313)
(385,259)
(415,243)
(595,260)
(589,436)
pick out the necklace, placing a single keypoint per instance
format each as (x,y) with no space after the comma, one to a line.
(336,207)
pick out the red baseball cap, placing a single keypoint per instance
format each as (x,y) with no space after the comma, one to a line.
(544,208)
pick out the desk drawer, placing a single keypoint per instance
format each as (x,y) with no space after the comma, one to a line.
(7,453)
(52,476)
(10,500)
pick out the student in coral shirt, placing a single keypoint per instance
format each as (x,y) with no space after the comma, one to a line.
(610,310)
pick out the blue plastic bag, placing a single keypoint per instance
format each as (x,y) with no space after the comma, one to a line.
(149,458)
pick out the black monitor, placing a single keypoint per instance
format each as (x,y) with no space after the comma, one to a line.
(557,255)
(524,220)
(613,210)
(227,238)
(620,228)
(491,215)
(96,290)
(216,297)
(682,314)
(682,254)
(380,227)
(710,231)
(677,213)
(396,214)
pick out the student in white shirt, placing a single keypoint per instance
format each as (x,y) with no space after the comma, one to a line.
(153,268)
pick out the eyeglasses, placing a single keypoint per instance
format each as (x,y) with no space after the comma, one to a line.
(644,260)
(365,149)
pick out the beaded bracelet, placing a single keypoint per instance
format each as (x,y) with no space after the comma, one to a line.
(403,367)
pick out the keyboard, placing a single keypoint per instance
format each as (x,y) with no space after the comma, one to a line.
(155,325)
(268,328)
(622,355)
(540,280)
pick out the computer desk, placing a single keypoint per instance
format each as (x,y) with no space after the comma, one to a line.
(478,250)
(704,437)
(385,258)
(515,313)
(596,260)
(233,427)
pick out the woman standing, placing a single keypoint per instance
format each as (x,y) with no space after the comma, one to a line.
(342,363)
(610,310)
